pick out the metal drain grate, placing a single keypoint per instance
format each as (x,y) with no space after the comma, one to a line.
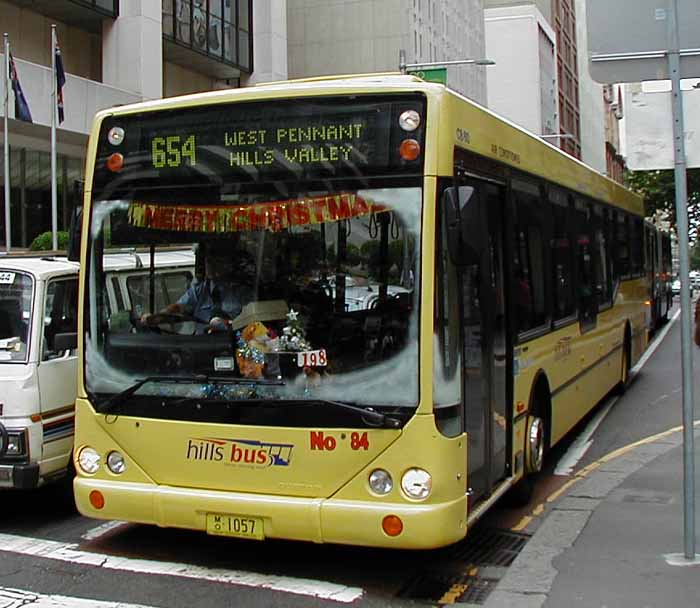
(490,547)
(478,591)
(446,589)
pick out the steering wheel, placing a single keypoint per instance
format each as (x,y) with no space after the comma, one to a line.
(165,321)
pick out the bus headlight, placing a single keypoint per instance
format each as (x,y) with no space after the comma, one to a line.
(115,463)
(417,484)
(88,461)
(380,481)
(409,120)
(115,136)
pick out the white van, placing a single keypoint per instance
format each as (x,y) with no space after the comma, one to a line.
(38,360)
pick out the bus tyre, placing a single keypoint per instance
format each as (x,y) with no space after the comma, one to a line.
(521,493)
(534,448)
(625,370)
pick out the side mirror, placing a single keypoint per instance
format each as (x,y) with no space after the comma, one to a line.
(463,224)
(67,341)
(74,235)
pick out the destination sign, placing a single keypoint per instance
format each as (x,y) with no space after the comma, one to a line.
(259,141)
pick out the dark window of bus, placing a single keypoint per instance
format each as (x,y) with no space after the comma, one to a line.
(585,269)
(529,258)
(601,266)
(636,247)
(562,256)
(621,255)
(447,361)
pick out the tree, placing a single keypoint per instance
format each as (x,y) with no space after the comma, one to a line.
(695,255)
(659,192)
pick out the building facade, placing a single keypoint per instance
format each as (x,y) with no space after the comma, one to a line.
(564,23)
(591,100)
(522,86)
(340,37)
(117,52)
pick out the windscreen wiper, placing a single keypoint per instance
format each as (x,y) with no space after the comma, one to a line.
(111,403)
(368,414)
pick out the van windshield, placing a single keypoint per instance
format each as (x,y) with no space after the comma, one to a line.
(15,315)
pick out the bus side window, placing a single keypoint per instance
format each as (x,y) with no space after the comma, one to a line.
(562,256)
(621,248)
(601,261)
(585,279)
(529,257)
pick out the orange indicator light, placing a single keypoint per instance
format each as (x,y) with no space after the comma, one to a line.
(115,162)
(392,525)
(96,499)
(409,149)
(520,407)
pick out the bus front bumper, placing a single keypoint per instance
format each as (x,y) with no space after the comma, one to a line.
(319,520)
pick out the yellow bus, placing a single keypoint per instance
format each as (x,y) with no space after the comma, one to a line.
(422,299)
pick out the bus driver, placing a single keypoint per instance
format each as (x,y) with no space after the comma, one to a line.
(214,301)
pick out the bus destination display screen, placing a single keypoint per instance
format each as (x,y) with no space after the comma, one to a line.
(262,141)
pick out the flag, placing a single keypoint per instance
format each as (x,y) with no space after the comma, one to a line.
(60,81)
(21,106)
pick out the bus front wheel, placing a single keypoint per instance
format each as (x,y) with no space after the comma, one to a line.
(521,492)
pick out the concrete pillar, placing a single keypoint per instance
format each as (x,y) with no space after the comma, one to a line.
(269,42)
(132,49)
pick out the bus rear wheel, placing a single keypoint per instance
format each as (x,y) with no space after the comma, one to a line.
(625,369)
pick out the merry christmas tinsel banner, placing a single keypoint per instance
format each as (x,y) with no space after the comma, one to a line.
(258,216)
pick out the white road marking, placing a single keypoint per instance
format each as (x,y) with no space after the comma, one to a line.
(67,552)
(19,598)
(99,531)
(578,448)
(583,442)
(655,344)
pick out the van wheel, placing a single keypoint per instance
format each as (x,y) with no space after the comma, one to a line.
(521,493)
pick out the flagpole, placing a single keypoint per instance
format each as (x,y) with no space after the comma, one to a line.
(8,237)
(54,109)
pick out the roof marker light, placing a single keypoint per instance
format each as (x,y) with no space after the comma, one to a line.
(115,162)
(409,149)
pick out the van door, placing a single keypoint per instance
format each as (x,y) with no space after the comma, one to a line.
(57,372)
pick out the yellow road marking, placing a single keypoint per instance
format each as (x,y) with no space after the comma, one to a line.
(588,469)
(456,590)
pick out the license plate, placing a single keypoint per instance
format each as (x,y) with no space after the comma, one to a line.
(239,526)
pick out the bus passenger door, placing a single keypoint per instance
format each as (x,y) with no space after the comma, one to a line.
(484,347)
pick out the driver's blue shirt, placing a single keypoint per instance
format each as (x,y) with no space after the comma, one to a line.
(199,300)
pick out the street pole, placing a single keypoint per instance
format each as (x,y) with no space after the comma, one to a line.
(6,85)
(674,69)
(54,109)
(403,66)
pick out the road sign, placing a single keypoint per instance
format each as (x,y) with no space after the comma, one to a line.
(648,126)
(430,74)
(628,39)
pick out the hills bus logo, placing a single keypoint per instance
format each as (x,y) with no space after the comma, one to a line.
(240,452)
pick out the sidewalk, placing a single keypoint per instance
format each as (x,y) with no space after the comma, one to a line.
(603,540)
